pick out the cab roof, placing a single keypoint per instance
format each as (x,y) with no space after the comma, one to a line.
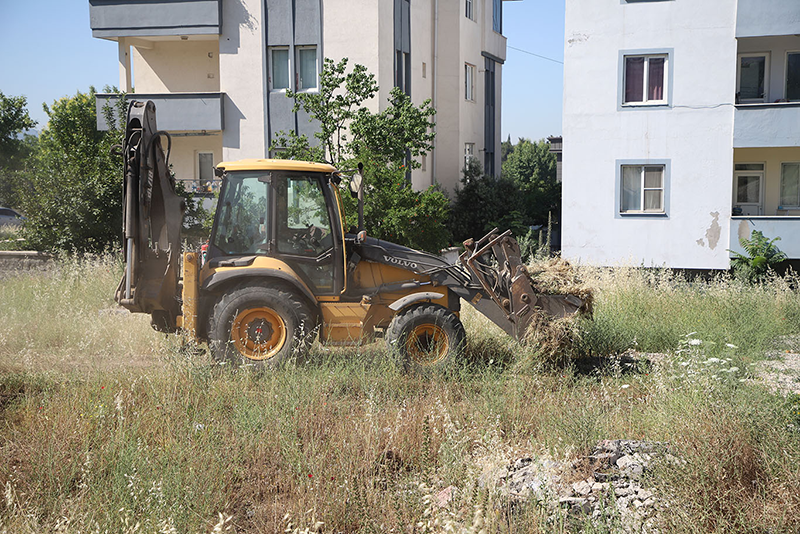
(275,165)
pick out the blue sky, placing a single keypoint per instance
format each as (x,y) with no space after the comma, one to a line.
(49,52)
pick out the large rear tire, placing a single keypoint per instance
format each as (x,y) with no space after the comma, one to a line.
(259,325)
(427,337)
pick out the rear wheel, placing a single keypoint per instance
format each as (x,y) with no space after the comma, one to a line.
(426,336)
(259,325)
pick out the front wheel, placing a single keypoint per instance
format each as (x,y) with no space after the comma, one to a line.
(259,325)
(426,336)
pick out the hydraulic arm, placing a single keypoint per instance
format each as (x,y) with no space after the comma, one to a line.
(152,218)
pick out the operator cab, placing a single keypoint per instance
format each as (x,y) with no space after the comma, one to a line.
(282,209)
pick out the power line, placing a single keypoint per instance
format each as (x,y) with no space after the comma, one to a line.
(537,55)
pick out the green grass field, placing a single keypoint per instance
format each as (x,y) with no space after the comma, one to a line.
(108,426)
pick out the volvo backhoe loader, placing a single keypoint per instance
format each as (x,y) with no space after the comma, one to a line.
(281,267)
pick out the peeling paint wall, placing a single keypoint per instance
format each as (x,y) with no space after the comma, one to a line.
(694,134)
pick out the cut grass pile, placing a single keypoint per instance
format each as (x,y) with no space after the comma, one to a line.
(106,425)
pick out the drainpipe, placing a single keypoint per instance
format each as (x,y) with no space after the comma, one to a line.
(435,83)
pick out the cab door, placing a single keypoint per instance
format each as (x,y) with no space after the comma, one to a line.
(307,234)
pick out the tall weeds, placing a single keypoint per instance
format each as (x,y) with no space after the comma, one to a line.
(108,426)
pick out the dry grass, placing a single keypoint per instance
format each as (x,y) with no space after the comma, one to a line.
(108,426)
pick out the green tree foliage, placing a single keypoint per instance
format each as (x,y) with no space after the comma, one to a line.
(533,168)
(388,143)
(14,150)
(483,202)
(74,199)
(506,148)
(762,256)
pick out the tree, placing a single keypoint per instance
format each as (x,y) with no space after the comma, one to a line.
(484,202)
(14,150)
(74,199)
(506,148)
(533,168)
(388,143)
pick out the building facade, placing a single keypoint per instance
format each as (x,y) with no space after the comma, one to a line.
(681,130)
(218,70)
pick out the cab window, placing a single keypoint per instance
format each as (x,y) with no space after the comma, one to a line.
(243,214)
(304,228)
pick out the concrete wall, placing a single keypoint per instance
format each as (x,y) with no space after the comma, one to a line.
(693,134)
(242,66)
(190,66)
(776,125)
(767,17)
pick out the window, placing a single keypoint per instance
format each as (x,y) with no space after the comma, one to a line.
(205,170)
(469,153)
(752,77)
(306,68)
(748,183)
(645,79)
(279,73)
(402,71)
(469,82)
(469,12)
(642,189)
(497,15)
(790,185)
(793,76)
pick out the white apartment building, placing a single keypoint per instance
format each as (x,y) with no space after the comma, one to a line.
(681,130)
(218,70)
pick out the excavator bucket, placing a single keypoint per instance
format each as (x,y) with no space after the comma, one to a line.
(152,219)
(495,262)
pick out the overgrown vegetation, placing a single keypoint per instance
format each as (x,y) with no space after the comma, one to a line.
(107,425)
(762,255)
(524,196)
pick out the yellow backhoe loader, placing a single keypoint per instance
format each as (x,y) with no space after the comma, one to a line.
(281,267)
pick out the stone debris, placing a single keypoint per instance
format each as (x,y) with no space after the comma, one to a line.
(616,490)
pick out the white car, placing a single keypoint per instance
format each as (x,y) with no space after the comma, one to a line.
(9,217)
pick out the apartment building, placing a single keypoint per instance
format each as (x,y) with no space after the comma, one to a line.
(218,70)
(681,130)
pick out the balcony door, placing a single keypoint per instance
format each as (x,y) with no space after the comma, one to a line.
(748,188)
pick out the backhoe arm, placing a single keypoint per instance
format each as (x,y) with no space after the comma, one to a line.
(152,219)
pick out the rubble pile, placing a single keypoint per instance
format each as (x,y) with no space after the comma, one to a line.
(615,489)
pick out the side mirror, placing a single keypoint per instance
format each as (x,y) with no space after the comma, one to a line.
(357,181)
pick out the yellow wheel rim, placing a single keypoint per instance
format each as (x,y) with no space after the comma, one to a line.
(427,344)
(258,333)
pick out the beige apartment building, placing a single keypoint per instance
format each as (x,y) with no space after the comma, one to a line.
(218,70)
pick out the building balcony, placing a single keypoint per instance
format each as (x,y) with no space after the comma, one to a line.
(766,125)
(112,19)
(764,18)
(188,112)
(786,227)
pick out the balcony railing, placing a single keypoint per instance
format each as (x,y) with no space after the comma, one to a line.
(787,228)
(767,125)
(154,18)
(192,112)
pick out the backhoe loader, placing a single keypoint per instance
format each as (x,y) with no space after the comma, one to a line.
(281,268)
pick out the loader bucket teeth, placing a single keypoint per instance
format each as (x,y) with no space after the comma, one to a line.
(495,265)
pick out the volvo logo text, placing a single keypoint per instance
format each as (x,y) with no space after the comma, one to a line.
(401,262)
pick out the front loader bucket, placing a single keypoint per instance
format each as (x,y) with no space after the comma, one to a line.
(495,262)
(152,219)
